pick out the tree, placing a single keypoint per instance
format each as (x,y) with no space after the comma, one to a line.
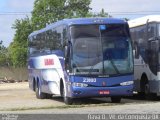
(23,28)
(49,11)
(18,48)
(4,56)
(102,13)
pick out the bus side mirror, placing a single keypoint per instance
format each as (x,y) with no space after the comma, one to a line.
(134,52)
(67,56)
(65,51)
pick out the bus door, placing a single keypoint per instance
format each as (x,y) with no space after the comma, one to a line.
(153,46)
(153,56)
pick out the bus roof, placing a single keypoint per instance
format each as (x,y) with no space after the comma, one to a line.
(143,20)
(80,21)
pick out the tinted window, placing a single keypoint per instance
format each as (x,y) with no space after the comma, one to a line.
(82,32)
(138,34)
(112,30)
(158,29)
(151,30)
(101,49)
(48,40)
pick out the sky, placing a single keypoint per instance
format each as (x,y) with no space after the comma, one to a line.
(116,8)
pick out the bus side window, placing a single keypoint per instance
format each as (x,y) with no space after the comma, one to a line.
(32,43)
(136,50)
(151,31)
(135,36)
(158,31)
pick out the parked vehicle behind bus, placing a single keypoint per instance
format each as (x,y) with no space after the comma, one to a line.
(81,57)
(145,33)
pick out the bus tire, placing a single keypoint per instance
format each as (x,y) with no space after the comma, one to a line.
(144,86)
(48,96)
(39,93)
(148,94)
(116,99)
(67,100)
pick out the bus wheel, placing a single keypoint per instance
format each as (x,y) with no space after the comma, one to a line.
(49,96)
(147,91)
(39,93)
(67,100)
(116,99)
(148,95)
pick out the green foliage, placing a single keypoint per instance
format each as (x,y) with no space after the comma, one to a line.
(23,29)
(4,56)
(102,13)
(18,49)
(18,55)
(49,11)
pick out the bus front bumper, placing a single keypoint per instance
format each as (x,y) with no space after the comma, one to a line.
(78,92)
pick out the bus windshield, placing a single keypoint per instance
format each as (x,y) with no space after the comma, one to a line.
(101,49)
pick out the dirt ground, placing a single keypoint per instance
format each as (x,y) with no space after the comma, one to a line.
(18,96)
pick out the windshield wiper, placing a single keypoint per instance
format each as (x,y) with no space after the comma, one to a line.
(114,66)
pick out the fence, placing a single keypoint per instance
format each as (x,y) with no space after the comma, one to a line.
(13,74)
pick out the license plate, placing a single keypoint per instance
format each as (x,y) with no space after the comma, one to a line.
(104,92)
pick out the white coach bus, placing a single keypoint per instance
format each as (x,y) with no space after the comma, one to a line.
(145,33)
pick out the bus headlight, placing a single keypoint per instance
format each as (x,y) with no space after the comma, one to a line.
(79,84)
(126,83)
